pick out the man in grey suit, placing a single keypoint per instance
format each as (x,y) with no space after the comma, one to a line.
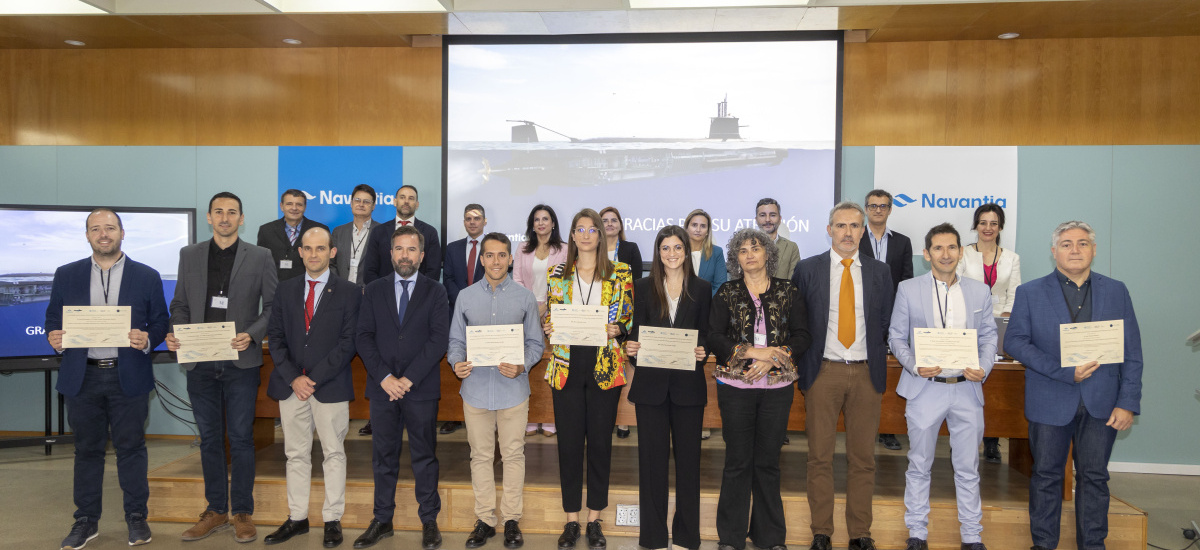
(350,239)
(221,280)
(768,217)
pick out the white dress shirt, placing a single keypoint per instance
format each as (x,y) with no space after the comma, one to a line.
(358,240)
(950,311)
(321,280)
(834,349)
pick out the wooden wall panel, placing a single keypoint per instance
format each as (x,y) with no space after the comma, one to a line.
(406,102)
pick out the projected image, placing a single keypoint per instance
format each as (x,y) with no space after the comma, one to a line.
(655,129)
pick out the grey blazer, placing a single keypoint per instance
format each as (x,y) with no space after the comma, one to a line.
(251,282)
(343,240)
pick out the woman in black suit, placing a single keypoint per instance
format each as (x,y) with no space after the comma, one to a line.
(620,250)
(667,400)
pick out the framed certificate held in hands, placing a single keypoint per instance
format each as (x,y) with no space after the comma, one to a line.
(578,325)
(96,326)
(1099,341)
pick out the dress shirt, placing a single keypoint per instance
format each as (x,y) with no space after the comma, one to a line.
(104,290)
(412,284)
(950,305)
(321,280)
(879,246)
(358,247)
(540,267)
(220,269)
(834,350)
(696,259)
(467,253)
(292,231)
(1079,297)
(507,304)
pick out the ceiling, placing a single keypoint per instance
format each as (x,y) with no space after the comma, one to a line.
(136,25)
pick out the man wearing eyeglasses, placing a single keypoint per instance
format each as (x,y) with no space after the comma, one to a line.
(350,239)
(890,247)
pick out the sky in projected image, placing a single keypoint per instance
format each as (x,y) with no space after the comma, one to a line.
(41,241)
(639,116)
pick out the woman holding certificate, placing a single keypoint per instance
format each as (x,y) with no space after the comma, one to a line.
(543,249)
(586,379)
(757,330)
(669,400)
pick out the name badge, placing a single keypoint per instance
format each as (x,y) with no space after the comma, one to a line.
(285,264)
(760,339)
(353,262)
(220,302)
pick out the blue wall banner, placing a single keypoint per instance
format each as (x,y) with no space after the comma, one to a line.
(327,175)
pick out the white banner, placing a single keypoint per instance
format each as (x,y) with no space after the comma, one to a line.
(931,185)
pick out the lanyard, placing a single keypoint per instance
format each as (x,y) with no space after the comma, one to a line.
(356,246)
(1078,310)
(995,266)
(943,312)
(584,297)
(878,244)
(105,284)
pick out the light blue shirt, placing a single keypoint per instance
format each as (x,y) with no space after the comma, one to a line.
(508,304)
(412,284)
(879,246)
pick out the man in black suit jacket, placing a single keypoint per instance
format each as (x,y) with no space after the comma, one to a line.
(844,371)
(462,266)
(379,255)
(403,332)
(311,337)
(282,236)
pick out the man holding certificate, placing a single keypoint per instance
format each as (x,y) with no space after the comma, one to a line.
(107,388)
(943,334)
(1075,394)
(495,338)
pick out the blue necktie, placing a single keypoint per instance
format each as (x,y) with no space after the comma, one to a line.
(403,300)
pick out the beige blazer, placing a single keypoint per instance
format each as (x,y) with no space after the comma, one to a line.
(1008,276)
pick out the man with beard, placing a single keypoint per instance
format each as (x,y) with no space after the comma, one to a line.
(379,245)
(768,217)
(108,389)
(403,332)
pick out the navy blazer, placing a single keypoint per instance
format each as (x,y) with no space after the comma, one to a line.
(1051,394)
(899,255)
(455,269)
(273,236)
(712,269)
(413,350)
(812,278)
(653,386)
(378,259)
(325,351)
(142,290)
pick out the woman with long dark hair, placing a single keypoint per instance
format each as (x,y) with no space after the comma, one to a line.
(543,249)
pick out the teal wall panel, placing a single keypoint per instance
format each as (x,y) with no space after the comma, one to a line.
(251,173)
(127,176)
(1058,184)
(28,175)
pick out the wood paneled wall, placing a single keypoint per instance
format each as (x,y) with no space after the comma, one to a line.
(1100,91)
(307,96)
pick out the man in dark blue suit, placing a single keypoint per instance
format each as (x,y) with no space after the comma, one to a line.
(462,267)
(1084,405)
(403,332)
(282,236)
(379,244)
(311,337)
(844,371)
(108,389)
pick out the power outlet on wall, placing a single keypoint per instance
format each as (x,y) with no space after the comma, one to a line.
(627,515)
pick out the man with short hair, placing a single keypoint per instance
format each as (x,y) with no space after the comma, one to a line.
(767,216)
(311,337)
(844,371)
(1083,406)
(379,244)
(225,279)
(941,300)
(496,397)
(890,247)
(351,238)
(462,265)
(282,236)
(402,334)
(108,389)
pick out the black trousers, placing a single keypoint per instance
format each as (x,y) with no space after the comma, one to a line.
(584,414)
(753,423)
(390,419)
(684,424)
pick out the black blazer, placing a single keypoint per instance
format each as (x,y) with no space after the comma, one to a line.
(273,236)
(628,254)
(378,260)
(653,386)
(325,351)
(812,278)
(414,349)
(455,268)
(899,255)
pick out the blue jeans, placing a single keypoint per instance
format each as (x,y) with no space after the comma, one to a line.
(223,399)
(1093,446)
(99,408)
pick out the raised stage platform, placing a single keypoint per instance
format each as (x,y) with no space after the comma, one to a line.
(176,494)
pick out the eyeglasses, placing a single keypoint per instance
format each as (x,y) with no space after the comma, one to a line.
(878,206)
(585,231)
(362,201)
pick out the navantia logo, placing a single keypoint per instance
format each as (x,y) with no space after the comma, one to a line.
(900,200)
(329,197)
(932,200)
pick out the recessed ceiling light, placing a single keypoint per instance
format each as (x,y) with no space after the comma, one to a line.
(291,41)
(74,42)
(1009,36)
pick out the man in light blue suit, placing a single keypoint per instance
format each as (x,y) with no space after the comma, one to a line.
(1084,405)
(939,299)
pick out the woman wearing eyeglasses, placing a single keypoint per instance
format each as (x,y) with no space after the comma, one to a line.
(669,403)
(586,380)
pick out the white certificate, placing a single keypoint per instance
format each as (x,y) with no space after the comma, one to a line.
(490,345)
(206,342)
(667,348)
(1100,341)
(949,348)
(579,325)
(96,326)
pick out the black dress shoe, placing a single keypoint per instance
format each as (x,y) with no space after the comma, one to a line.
(991,449)
(724,546)
(512,535)
(595,536)
(480,535)
(1036,547)
(865,543)
(449,427)
(333,534)
(622,433)
(365,430)
(889,441)
(286,531)
(374,532)
(431,538)
(973,546)
(570,535)
(787,440)
(914,543)
(821,542)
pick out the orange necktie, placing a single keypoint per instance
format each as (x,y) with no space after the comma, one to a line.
(846,320)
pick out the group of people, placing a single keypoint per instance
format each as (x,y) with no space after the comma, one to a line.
(824,324)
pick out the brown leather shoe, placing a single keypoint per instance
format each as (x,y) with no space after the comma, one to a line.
(210,522)
(243,528)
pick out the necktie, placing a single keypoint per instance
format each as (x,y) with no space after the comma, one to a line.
(309,303)
(846,320)
(402,224)
(471,263)
(291,233)
(403,301)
